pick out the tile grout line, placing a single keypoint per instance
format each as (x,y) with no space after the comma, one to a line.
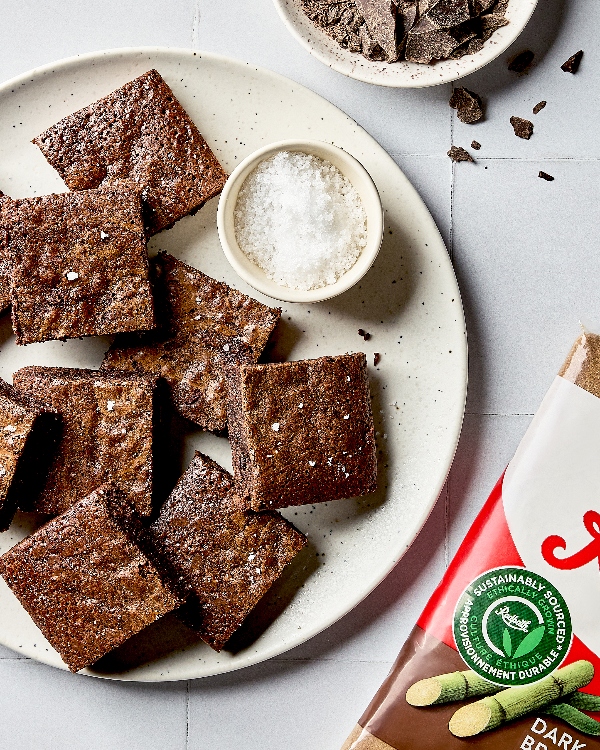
(498,414)
(187,714)
(196,24)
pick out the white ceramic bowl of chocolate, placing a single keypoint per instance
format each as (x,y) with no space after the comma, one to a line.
(401,74)
(299,285)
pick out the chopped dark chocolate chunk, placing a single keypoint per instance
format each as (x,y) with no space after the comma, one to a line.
(107,433)
(84,580)
(490,23)
(446,14)
(467,104)
(204,327)
(225,556)
(79,265)
(376,359)
(523,128)
(139,133)
(302,432)
(539,107)
(521,62)
(22,448)
(475,145)
(366,336)
(572,64)
(380,20)
(458,153)
(546,176)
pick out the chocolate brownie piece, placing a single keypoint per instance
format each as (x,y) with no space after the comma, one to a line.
(5,265)
(227,557)
(108,424)
(24,424)
(79,265)
(84,580)
(204,326)
(141,133)
(302,432)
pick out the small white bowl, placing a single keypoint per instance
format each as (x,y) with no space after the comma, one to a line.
(352,169)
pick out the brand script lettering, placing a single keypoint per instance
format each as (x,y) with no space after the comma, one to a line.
(591,521)
(513,621)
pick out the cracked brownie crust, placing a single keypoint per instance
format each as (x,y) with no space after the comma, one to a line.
(225,555)
(85,582)
(302,432)
(141,133)
(205,326)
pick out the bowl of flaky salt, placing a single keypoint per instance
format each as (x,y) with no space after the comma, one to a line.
(300,221)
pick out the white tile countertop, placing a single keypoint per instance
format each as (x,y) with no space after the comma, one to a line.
(527,259)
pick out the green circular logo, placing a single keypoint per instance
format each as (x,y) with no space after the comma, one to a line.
(512,626)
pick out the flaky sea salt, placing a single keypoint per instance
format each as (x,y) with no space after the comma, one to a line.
(300,220)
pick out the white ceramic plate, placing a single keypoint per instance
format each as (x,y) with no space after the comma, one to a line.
(409,302)
(401,74)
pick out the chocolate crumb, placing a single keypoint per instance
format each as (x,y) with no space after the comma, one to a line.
(572,64)
(546,176)
(458,153)
(523,128)
(476,145)
(521,62)
(539,107)
(376,359)
(467,104)
(366,336)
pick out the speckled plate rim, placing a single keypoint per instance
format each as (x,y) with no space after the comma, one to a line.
(460,343)
(401,74)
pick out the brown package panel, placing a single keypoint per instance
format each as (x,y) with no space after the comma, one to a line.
(85,582)
(79,265)
(302,432)
(204,327)
(22,420)
(5,265)
(582,366)
(107,433)
(225,555)
(140,132)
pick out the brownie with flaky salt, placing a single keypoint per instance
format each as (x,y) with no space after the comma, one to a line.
(302,432)
(27,437)
(224,555)
(79,265)
(141,133)
(205,326)
(86,582)
(107,433)
(5,266)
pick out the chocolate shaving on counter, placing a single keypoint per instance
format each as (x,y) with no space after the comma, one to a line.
(546,176)
(476,145)
(419,32)
(521,62)
(467,104)
(366,336)
(523,128)
(572,64)
(539,107)
(458,153)
(376,359)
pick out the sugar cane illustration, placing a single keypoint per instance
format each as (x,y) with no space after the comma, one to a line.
(446,688)
(494,710)
(574,717)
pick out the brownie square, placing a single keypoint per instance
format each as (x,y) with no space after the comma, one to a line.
(79,265)
(204,327)
(226,556)
(302,432)
(107,433)
(25,441)
(141,133)
(5,265)
(84,580)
